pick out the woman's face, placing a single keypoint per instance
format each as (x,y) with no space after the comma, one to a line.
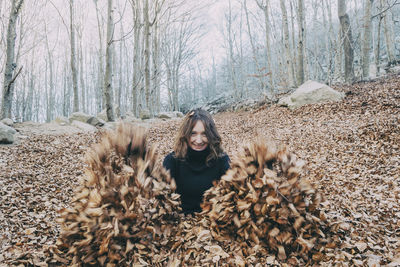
(198,140)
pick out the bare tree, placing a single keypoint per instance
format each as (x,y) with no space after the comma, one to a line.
(259,74)
(147,53)
(366,44)
(101,101)
(264,6)
(300,45)
(288,59)
(50,96)
(230,40)
(136,74)
(73,57)
(108,75)
(388,36)
(179,41)
(347,41)
(10,66)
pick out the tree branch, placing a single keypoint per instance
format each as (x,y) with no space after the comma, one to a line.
(386,9)
(13,79)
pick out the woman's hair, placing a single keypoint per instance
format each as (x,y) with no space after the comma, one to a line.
(185,131)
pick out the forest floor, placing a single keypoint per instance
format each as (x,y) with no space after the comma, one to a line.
(351,149)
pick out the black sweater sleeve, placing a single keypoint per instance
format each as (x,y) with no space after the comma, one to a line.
(225,164)
(169,164)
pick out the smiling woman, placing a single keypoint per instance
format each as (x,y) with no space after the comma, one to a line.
(197,159)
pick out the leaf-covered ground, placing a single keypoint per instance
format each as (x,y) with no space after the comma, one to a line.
(351,148)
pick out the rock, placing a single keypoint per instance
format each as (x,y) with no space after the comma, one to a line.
(131,119)
(372,71)
(129,114)
(395,69)
(79,116)
(61,120)
(170,115)
(7,134)
(7,122)
(102,115)
(111,125)
(309,93)
(178,114)
(165,115)
(95,121)
(83,126)
(144,114)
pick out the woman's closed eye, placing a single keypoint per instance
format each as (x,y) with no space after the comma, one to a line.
(202,134)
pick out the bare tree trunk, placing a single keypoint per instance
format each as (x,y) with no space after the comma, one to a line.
(100,76)
(81,78)
(366,44)
(9,77)
(378,45)
(65,94)
(29,97)
(265,8)
(253,48)
(286,44)
(231,56)
(156,78)
(347,41)
(388,37)
(300,46)
(119,89)
(294,56)
(108,74)
(136,57)
(147,53)
(50,102)
(73,57)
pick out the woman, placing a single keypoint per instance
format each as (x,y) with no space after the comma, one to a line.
(197,160)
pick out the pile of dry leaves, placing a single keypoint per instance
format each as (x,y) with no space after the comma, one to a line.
(351,150)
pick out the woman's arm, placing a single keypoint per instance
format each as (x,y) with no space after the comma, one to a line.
(170,164)
(225,164)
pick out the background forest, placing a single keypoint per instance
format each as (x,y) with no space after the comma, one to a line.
(124,56)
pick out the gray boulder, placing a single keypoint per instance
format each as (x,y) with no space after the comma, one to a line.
(178,114)
(144,114)
(83,126)
(131,119)
(309,93)
(395,69)
(7,122)
(96,121)
(7,134)
(61,120)
(79,116)
(102,115)
(165,115)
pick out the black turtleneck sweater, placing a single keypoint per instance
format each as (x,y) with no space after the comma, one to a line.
(193,176)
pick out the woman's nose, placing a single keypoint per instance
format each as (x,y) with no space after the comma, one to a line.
(198,138)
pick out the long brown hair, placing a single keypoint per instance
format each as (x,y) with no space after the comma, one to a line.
(185,130)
